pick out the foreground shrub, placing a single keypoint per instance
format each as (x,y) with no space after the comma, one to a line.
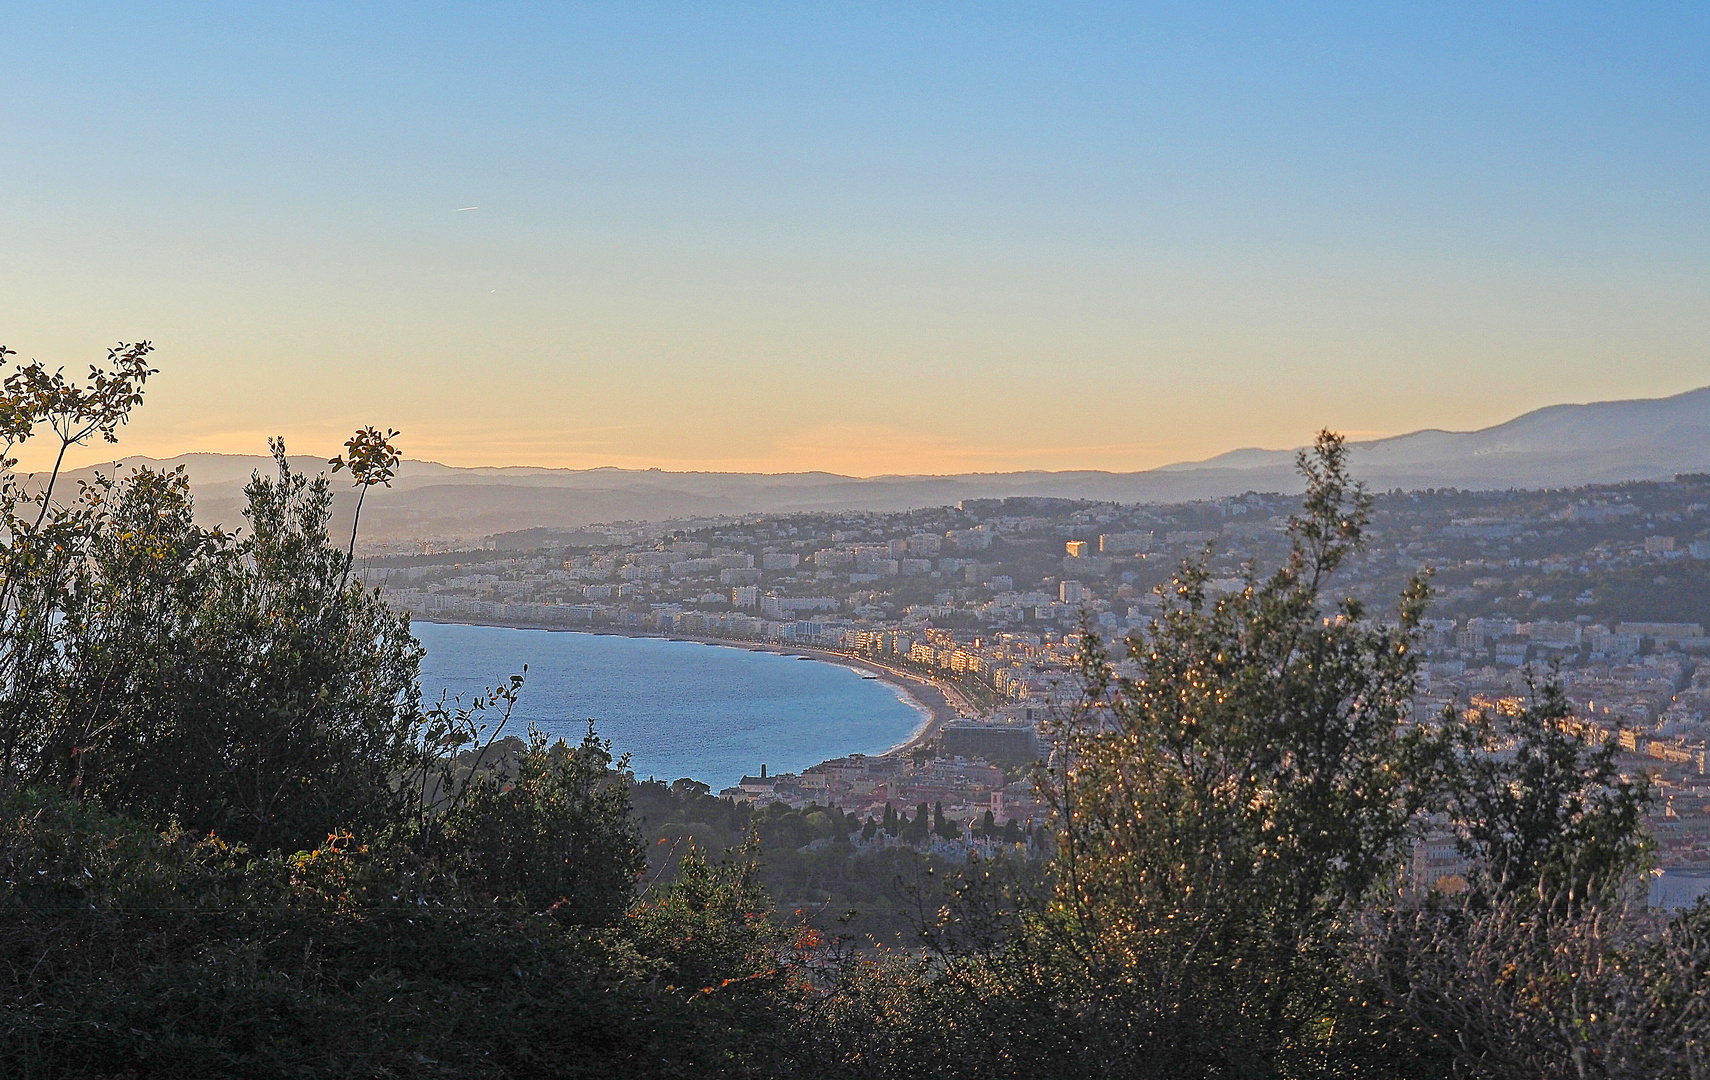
(232,685)
(1255,777)
(554,832)
(1513,991)
(127,952)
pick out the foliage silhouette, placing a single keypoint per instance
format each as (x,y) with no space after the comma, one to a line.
(233,841)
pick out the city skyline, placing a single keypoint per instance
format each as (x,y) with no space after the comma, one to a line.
(875,242)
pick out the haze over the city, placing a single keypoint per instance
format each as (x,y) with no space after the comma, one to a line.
(874,240)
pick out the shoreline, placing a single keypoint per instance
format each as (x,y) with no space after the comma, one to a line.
(939,703)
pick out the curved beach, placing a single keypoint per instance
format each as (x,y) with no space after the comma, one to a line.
(631,695)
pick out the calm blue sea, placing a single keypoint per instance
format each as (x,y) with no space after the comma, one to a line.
(678,708)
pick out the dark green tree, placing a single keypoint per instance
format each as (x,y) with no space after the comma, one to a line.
(1221,808)
(46,538)
(556,836)
(309,706)
(949,830)
(228,683)
(916,831)
(1544,814)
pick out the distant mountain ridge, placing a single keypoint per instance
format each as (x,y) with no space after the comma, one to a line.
(1600,442)
(1559,445)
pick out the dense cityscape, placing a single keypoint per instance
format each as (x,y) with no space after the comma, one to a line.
(1609,586)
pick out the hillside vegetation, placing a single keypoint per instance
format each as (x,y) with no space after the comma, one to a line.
(236,842)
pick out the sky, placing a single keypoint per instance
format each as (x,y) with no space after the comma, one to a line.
(866,238)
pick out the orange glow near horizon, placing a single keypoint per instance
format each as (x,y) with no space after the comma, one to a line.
(933,241)
(843,449)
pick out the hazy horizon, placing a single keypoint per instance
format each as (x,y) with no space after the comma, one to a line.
(871,242)
(93,456)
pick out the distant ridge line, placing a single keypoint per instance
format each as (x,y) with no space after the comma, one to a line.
(1553,446)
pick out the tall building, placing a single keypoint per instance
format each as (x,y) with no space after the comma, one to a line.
(1071,592)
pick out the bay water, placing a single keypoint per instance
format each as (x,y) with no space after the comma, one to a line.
(678,708)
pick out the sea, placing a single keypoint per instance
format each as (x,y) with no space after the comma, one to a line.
(713,713)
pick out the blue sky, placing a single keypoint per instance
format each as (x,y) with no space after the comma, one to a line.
(870,238)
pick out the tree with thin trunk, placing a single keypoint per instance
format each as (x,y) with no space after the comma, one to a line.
(373,460)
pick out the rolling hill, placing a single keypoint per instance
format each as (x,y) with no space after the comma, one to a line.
(1561,445)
